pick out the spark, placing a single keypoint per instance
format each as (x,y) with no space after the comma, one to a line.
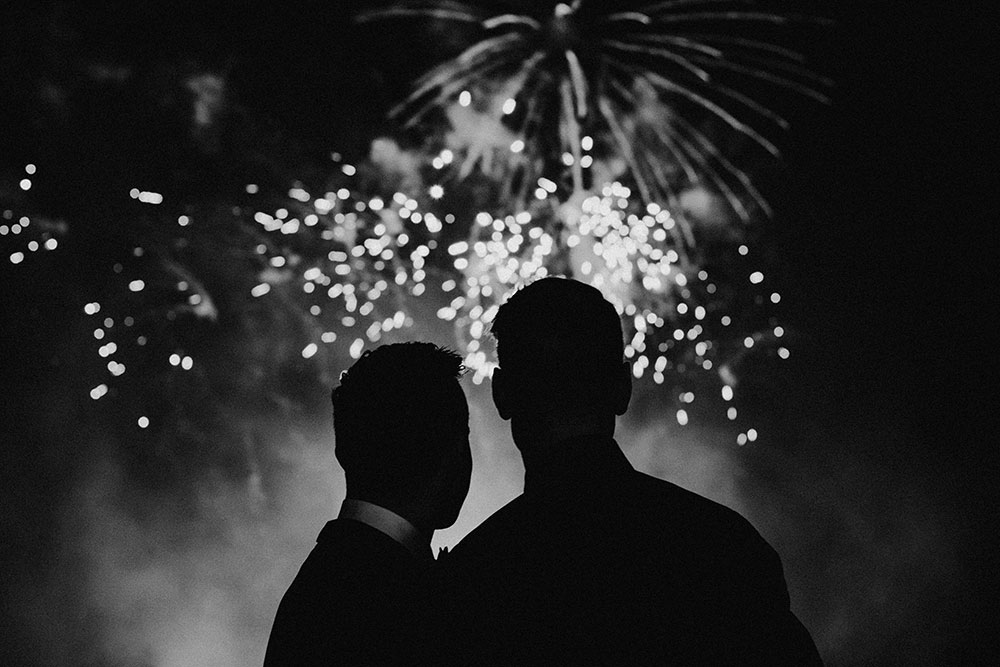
(358,264)
(602,78)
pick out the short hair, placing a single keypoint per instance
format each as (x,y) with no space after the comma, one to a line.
(561,330)
(393,409)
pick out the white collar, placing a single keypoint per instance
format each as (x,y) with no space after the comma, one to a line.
(388,522)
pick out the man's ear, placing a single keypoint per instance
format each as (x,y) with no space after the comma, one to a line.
(501,393)
(622,391)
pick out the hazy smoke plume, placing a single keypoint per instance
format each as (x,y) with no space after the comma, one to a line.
(194,578)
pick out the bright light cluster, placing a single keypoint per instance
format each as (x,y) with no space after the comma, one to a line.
(669,306)
(22,235)
(359,266)
(357,260)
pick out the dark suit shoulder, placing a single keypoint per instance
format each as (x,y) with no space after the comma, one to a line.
(641,505)
(498,526)
(356,587)
(638,571)
(690,511)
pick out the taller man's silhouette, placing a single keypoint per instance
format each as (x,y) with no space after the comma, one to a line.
(596,563)
(365,594)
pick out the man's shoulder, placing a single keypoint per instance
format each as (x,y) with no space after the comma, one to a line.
(687,509)
(509,518)
(352,599)
(349,555)
(642,504)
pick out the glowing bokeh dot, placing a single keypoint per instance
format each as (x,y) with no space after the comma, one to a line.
(143,422)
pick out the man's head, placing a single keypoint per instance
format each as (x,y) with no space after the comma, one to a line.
(402,432)
(559,345)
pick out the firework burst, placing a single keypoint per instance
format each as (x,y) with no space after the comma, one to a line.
(600,130)
(634,84)
(606,130)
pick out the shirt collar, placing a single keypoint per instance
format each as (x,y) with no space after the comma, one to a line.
(388,522)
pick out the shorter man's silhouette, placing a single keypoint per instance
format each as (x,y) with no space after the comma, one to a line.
(596,563)
(364,595)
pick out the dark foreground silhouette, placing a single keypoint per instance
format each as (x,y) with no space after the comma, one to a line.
(364,596)
(596,563)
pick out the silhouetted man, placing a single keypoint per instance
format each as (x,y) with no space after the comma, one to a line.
(363,595)
(596,563)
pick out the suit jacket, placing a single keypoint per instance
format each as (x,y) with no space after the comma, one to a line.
(596,563)
(359,598)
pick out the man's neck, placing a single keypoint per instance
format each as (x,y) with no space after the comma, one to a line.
(592,460)
(388,522)
(545,432)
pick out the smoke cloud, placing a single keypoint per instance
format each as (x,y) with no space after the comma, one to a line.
(193,577)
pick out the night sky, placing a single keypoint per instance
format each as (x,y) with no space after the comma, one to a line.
(883,236)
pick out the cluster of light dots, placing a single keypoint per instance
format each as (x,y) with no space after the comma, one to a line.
(629,256)
(107,327)
(507,107)
(18,229)
(363,249)
(106,350)
(364,253)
